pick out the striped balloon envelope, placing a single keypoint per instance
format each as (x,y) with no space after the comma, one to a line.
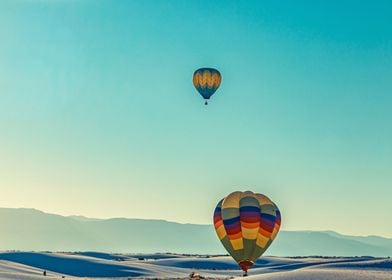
(206,81)
(246,223)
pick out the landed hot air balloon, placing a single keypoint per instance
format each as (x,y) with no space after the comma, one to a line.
(206,81)
(246,223)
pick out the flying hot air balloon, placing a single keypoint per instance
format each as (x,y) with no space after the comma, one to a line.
(246,223)
(206,81)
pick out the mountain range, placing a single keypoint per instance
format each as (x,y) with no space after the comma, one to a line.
(33,230)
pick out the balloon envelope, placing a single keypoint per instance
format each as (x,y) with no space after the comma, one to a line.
(246,223)
(206,81)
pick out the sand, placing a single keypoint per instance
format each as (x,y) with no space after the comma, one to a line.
(30,265)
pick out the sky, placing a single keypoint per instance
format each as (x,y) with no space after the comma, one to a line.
(99,116)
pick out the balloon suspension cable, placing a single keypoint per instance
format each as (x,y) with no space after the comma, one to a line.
(245,265)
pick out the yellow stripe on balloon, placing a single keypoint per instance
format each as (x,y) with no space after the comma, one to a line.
(196,79)
(249,233)
(213,81)
(221,232)
(237,244)
(275,231)
(262,241)
(206,79)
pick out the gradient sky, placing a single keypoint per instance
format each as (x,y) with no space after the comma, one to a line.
(99,117)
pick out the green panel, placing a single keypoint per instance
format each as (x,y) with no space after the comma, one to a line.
(249,244)
(257,252)
(268,209)
(237,255)
(249,247)
(229,213)
(249,201)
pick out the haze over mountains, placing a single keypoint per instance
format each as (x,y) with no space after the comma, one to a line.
(33,230)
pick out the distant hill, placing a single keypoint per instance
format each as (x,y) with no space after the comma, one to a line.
(33,230)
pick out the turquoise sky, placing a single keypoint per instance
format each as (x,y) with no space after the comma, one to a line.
(99,117)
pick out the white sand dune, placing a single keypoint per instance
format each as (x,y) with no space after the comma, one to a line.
(358,270)
(12,270)
(86,265)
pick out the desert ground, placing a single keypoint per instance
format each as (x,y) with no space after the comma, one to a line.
(88,265)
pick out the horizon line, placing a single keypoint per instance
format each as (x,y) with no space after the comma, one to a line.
(177,222)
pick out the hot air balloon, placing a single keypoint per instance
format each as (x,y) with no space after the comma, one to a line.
(246,223)
(206,81)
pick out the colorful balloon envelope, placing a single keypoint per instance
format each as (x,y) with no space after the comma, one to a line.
(246,223)
(206,81)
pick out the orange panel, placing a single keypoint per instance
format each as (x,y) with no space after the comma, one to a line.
(235,236)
